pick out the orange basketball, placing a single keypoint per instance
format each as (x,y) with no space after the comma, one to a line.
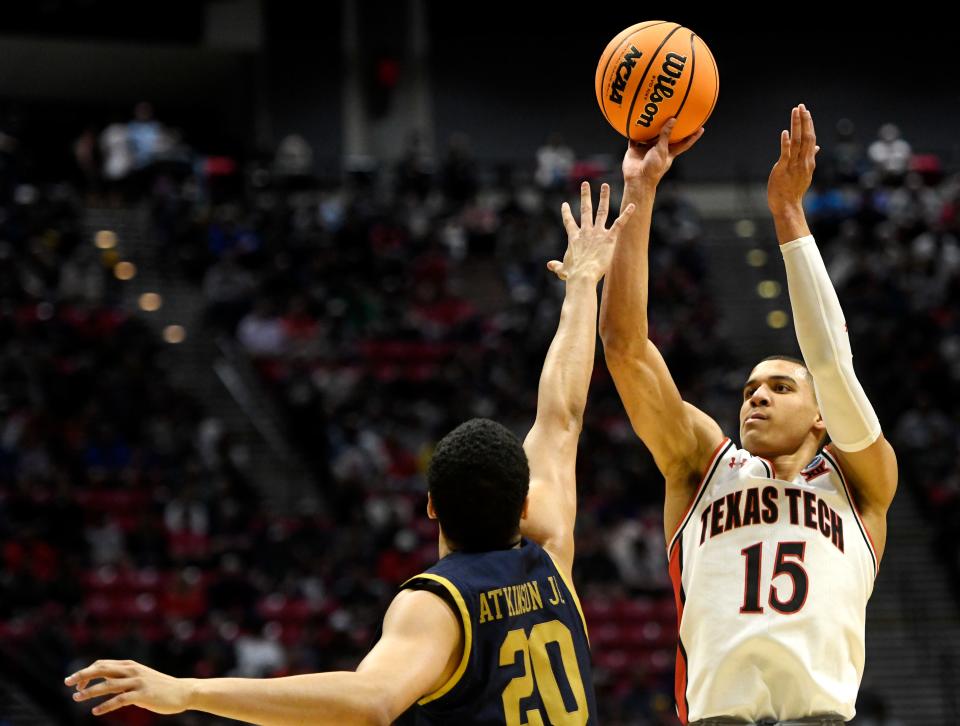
(653,71)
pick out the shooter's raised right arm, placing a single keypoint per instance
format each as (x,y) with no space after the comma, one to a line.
(680,437)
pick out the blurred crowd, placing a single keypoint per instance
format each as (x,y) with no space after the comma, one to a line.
(124,160)
(122,506)
(381,311)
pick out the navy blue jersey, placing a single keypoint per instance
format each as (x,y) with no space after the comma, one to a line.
(526,656)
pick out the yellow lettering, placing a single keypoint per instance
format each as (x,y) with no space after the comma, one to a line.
(495,596)
(537,603)
(557,596)
(513,650)
(556,632)
(507,595)
(520,599)
(485,614)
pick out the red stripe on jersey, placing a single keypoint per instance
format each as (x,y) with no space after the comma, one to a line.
(696,493)
(835,460)
(680,676)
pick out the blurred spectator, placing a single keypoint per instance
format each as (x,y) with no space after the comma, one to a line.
(260,656)
(554,163)
(227,288)
(144,133)
(458,172)
(846,154)
(636,547)
(261,332)
(890,153)
(415,170)
(186,514)
(118,157)
(105,539)
(84,277)
(294,157)
(87,158)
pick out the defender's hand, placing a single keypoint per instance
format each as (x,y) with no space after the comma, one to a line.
(647,163)
(793,172)
(135,684)
(589,246)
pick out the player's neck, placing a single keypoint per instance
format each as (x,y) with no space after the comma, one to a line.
(788,466)
(444,547)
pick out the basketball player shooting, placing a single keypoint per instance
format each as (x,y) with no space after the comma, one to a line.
(469,640)
(773,545)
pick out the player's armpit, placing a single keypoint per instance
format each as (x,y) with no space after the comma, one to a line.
(420,650)
(680,437)
(872,473)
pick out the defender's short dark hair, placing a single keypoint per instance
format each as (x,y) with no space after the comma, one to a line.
(478,480)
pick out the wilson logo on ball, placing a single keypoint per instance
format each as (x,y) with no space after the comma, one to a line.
(623,74)
(672,70)
(653,71)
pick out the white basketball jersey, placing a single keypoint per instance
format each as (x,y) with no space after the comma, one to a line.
(772,580)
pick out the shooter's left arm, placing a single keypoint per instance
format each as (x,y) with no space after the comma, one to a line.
(864,454)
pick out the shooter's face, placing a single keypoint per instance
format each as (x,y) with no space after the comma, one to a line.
(779,409)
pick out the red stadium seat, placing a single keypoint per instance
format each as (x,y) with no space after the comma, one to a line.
(291,633)
(635,609)
(605,634)
(597,611)
(614,661)
(666,610)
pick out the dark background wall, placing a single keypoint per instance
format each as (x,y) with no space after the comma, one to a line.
(540,68)
(505,73)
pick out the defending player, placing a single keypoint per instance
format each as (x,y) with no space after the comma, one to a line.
(492,633)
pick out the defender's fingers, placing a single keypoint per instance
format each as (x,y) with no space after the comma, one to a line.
(569,223)
(556,267)
(603,208)
(111,685)
(98,669)
(124,699)
(784,145)
(586,206)
(622,220)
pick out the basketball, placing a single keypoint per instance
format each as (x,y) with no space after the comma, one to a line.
(653,71)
